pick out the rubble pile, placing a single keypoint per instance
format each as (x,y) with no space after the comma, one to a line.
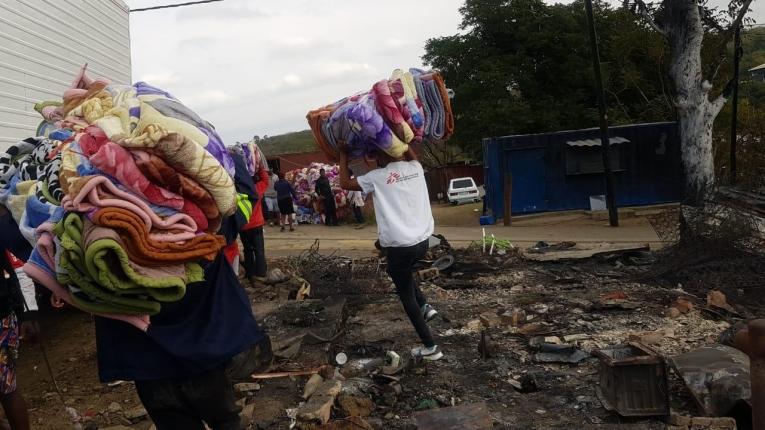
(524,337)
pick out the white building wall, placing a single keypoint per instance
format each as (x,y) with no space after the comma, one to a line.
(43,44)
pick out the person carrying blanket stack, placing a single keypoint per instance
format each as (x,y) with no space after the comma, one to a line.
(381,125)
(129,203)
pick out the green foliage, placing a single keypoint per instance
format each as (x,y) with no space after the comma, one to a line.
(751,118)
(288,143)
(523,66)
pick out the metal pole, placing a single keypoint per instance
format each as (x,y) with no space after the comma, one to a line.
(613,215)
(757,372)
(734,121)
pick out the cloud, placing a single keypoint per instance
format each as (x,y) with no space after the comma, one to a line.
(201,43)
(257,66)
(226,10)
(206,99)
(342,69)
(160,79)
(292,80)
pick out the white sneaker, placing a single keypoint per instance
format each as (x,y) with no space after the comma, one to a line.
(428,312)
(431,354)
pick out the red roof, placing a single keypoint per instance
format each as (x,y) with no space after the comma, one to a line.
(297,161)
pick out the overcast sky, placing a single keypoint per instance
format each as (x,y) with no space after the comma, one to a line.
(257,66)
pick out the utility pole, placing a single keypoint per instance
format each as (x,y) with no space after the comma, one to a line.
(605,144)
(737,52)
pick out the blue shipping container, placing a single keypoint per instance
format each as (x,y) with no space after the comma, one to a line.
(562,170)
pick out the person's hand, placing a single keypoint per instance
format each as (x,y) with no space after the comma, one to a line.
(30,330)
(56,301)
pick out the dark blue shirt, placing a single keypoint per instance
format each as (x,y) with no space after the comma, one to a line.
(204,330)
(284,190)
(11,238)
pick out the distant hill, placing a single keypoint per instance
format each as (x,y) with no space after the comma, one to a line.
(289,143)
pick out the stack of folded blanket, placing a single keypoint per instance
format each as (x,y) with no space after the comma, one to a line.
(406,109)
(254,158)
(304,182)
(122,198)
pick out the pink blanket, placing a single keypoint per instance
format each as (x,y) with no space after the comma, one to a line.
(95,192)
(387,107)
(60,292)
(117,162)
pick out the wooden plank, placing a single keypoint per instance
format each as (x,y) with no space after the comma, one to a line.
(581,254)
(508,199)
(473,416)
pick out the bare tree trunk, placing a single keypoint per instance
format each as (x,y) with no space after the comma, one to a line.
(696,112)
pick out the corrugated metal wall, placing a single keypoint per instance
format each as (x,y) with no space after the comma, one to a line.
(43,44)
(652,170)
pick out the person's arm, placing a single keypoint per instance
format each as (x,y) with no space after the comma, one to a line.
(292,191)
(346,182)
(410,155)
(262,184)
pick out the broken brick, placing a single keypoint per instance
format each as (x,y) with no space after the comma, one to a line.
(319,407)
(718,300)
(679,420)
(614,296)
(352,423)
(135,414)
(490,319)
(317,410)
(247,415)
(310,387)
(705,423)
(464,417)
(244,388)
(683,305)
(355,405)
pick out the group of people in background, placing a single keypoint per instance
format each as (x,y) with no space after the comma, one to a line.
(280,197)
(273,196)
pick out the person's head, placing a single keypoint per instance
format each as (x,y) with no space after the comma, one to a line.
(383,158)
(280,175)
(322,173)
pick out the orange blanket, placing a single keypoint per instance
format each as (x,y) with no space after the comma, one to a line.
(149,252)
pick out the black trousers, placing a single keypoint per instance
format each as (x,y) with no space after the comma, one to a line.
(400,266)
(330,211)
(189,403)
(254,252)
(358,215)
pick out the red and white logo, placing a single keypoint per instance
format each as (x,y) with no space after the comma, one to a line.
(393,178)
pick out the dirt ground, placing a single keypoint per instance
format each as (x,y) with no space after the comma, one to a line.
(475,299)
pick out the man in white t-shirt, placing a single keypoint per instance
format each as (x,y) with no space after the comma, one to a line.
(404,224)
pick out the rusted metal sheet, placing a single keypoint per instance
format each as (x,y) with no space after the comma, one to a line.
(717,376)
(474,416)
(633,381)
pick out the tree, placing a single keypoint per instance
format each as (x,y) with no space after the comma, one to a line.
(523,66)
(684,24)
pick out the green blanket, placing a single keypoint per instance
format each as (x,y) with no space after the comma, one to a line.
(110,267)
(86,294)
(103,279)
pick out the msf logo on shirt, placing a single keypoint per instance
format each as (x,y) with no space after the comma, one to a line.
(393,178)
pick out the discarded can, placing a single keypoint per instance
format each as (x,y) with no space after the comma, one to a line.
(341,358)
(633,381)
(394,360)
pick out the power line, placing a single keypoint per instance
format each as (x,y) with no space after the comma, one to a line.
(167,6)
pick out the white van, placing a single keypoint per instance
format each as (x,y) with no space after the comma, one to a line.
(463,190)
